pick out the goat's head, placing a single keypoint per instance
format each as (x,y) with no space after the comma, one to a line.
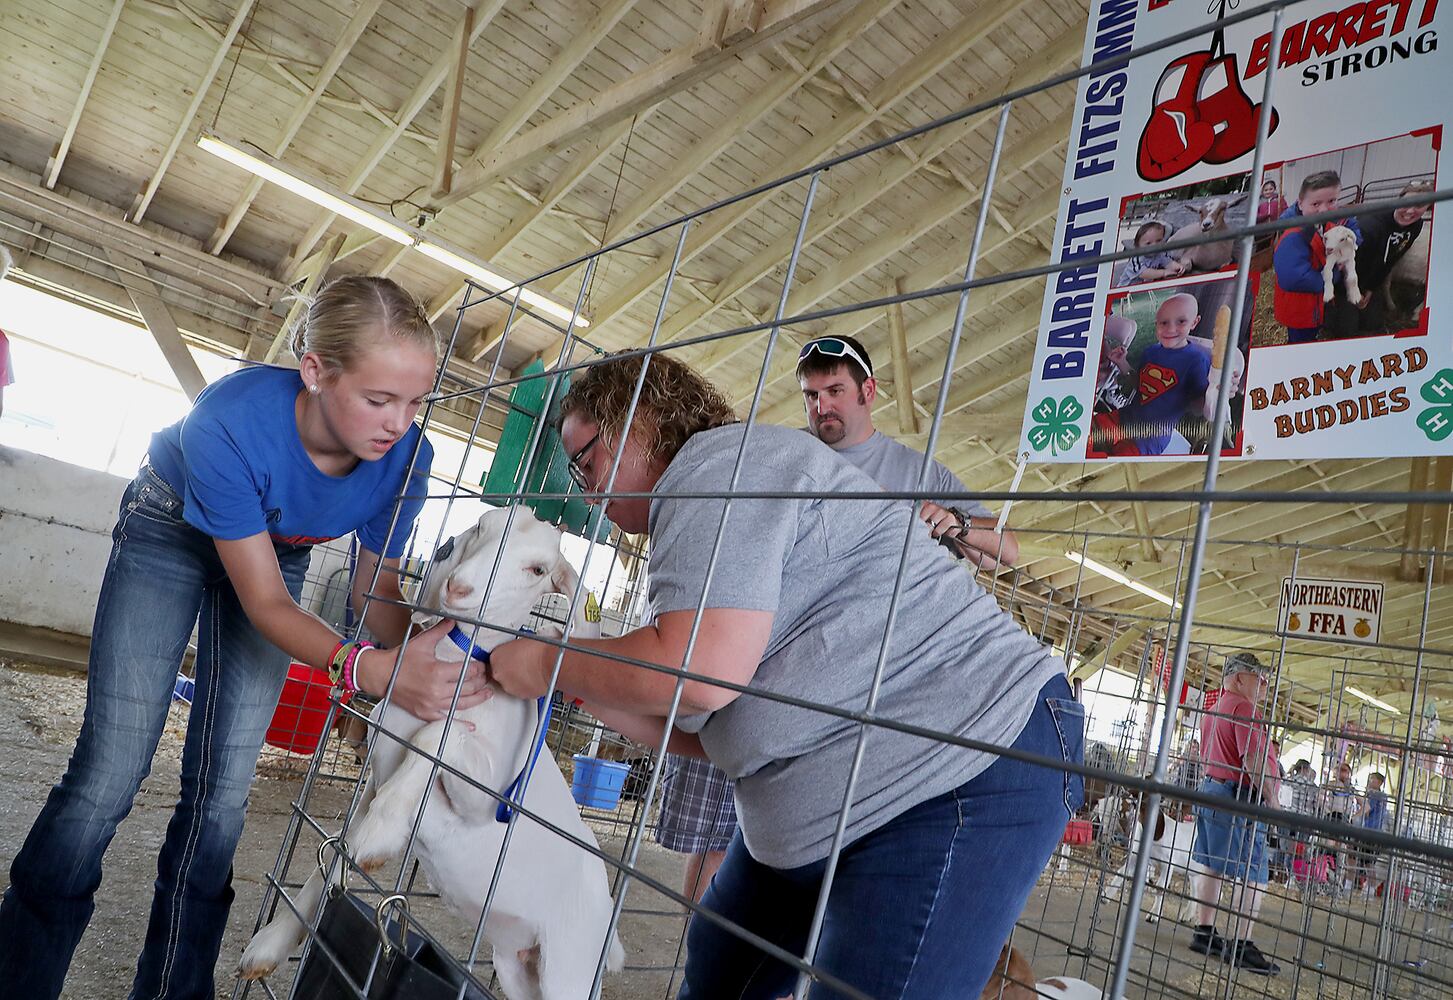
(1213,215)
(465,582)
(1340,243)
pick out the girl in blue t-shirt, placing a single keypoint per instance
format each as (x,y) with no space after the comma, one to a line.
(215,533)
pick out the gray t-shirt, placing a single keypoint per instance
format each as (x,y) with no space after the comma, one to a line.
(824,567)
(895,466)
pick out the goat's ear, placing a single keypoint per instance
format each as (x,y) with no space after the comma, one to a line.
(446,557)
(564,580)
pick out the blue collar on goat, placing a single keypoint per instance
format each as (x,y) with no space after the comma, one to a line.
(543,706)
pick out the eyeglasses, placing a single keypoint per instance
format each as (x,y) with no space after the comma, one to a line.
(577,474)
(834,347)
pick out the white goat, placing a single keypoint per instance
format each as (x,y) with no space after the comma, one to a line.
(1170,851)
(548,918)
(1340,244)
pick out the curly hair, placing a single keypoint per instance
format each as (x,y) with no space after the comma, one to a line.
(676,402)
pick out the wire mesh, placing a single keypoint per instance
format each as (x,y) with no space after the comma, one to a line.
(1351,909)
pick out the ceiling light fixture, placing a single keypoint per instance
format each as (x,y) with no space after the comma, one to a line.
(1371,700)
(1110,572)
(285,177)
(434,249)
(372,219)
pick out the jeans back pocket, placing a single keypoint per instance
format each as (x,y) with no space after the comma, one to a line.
(1069,723)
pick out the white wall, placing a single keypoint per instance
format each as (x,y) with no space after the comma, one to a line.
(55,533)
(55,537)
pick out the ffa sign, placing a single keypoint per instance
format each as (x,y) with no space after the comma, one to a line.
(1343,610)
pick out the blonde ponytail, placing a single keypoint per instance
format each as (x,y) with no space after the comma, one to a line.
(355,313)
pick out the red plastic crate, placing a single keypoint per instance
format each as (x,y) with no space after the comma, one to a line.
(1079,832)
(302,709)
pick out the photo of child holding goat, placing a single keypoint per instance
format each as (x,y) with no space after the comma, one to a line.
(1157,385)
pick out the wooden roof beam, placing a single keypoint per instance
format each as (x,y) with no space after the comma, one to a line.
(357,24)
(199,93)
(902,373)
(1413,519)
(557,71)
(158,319)
(58,155)
(933,213)
(453,95)
(825,136)
(976,342)
(585,159)
(780,85)
(98,224)
(669,76)
(480,14)
(847,204)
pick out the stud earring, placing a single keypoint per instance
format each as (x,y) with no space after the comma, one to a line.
(313,388)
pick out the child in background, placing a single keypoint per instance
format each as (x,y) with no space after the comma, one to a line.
(1374,817)
(1272,204)
(1151,265)
(1342,807)
(1115,379)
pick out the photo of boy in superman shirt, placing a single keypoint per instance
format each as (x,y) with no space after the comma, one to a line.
(1173,377)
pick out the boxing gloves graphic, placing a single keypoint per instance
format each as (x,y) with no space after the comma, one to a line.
(1201,115)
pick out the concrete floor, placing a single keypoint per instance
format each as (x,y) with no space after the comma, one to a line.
(40,711)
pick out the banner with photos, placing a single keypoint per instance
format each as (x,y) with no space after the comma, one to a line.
(1345,348)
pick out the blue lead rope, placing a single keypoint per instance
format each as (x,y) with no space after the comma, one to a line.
(543,706)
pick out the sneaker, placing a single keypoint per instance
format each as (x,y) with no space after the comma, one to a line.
(1208,942)
(1245,955)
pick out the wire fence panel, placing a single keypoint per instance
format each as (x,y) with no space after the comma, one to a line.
(1358,838)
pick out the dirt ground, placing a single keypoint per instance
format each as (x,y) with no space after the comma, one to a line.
(40,712)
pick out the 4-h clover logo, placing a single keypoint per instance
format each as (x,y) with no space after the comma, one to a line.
(1056,423)
(1436,420)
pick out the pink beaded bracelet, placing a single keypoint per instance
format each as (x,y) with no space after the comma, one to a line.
(349,683)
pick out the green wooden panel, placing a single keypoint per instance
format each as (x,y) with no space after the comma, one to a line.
(549,472)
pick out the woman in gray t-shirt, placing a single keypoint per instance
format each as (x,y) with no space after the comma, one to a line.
(943,841)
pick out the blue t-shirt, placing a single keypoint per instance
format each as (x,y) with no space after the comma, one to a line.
(1376,816)
(1169,379)
(239,465)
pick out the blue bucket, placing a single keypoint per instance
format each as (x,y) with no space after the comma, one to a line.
(597,783)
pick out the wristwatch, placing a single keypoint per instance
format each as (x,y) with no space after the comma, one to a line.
(951,541)
(962,518)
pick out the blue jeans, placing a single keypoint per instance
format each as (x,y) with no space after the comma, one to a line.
(161,575)
(920,907)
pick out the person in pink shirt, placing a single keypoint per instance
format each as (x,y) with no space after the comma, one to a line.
(1239,765)
(7,374)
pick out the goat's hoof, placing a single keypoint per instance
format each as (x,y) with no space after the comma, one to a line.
(256,966)
(267,950)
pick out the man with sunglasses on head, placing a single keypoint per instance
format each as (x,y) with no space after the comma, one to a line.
(838,391)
